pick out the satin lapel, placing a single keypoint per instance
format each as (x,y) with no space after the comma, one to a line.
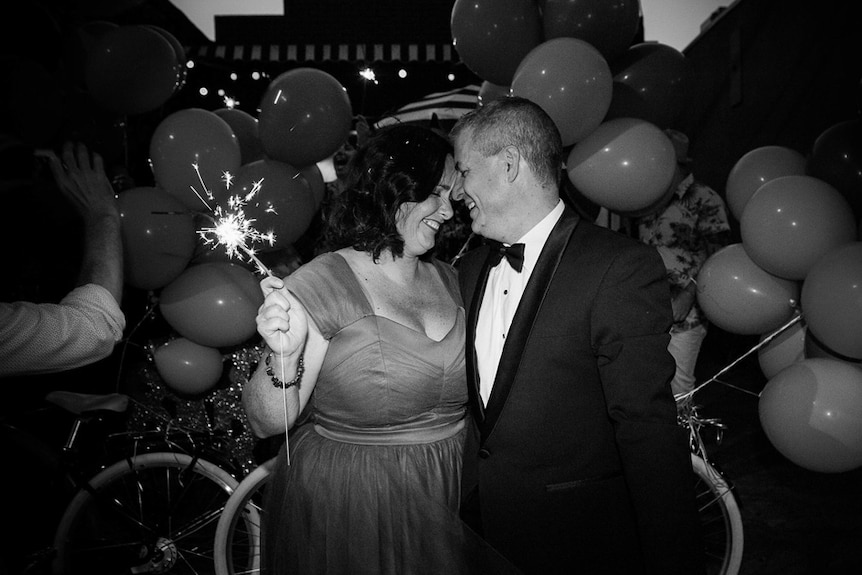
(525,317)
(478,290)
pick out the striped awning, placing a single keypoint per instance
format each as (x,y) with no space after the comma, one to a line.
(449,105)
(326,52)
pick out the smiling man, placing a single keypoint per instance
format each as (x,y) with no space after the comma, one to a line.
(574,461)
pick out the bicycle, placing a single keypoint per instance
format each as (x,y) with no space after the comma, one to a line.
(152,508)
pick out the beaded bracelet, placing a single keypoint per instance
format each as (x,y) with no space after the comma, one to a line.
(300,369)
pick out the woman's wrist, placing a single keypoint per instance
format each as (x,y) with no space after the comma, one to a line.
(273,359)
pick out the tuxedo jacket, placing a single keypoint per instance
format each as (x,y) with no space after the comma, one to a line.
(577,463)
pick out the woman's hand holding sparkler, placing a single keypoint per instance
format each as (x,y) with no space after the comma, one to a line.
(281,320)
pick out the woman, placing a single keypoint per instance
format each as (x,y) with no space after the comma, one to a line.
(375,331)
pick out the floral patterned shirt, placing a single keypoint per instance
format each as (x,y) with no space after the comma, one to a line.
(692,227)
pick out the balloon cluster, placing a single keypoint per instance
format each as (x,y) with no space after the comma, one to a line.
(800,256)
(218,175)
(610,99)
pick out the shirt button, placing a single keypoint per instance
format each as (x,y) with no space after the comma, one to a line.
(484,453)
(505,292)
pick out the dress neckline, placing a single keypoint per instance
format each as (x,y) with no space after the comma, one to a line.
(370,307)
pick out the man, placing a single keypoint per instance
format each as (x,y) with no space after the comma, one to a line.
(688,226)
(575,462)
(84,327)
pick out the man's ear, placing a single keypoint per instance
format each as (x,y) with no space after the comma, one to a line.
(512,157)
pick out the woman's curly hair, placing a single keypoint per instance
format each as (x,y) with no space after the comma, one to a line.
(399,163)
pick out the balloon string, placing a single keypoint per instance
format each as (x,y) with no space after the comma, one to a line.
(765,341)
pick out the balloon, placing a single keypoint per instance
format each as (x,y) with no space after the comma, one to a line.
(158,237)
(815,348)
(740,297)
(80,44)
(836,158)
(791,221)
(571,81)
(284,203)
(179,52)
(757,167)
(649,84)
(187,367)
(625,165)
(305,116)
(609,26)
(314,178)
(213,304)
(489,91)
(245,128)
(493,36)
(832,300)
(786,349)
(132,70)
(189,138)
(812,414)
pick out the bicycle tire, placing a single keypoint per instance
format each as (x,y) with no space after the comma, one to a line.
(237,538)
(721,521)
(151,513)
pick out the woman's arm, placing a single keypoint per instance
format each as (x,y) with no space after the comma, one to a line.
(283,323)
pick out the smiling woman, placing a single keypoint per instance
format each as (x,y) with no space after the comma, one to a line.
(378,326)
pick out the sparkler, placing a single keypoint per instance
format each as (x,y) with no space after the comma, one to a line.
(237,234)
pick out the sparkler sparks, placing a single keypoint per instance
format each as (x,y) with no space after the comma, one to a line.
(231,228)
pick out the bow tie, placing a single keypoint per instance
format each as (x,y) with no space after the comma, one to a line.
(514,254)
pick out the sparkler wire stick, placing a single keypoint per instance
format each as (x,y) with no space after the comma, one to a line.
(235,232)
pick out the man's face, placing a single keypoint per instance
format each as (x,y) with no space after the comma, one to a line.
(481,188)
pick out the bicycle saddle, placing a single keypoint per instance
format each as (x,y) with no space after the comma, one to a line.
(79,403)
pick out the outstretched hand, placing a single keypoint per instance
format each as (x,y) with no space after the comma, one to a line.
(281,320)
(83,181)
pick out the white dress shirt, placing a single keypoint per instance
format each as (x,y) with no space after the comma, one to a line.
(502,295)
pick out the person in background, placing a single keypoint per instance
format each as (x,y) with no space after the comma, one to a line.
(574,461)
(688,226)
(373,331)
(84,327)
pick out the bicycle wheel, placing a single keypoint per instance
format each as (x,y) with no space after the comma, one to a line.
(152,513)
(237,538)
(721,522)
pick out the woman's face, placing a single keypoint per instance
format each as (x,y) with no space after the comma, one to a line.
(419,222)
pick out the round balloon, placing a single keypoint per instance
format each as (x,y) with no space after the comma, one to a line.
(791,221)
(187,367)
(314,178)
(836,158)
(305,116)
(812,414)
(245,128)
(190,151)
(740,297)
(625,165)
(757,167)
(179,52)
(785,349)
(132,69)
(493,36)
(649,84)
(832,299)
(571,81)
(213,304)
(489,91)
(609,26)
(158,237)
